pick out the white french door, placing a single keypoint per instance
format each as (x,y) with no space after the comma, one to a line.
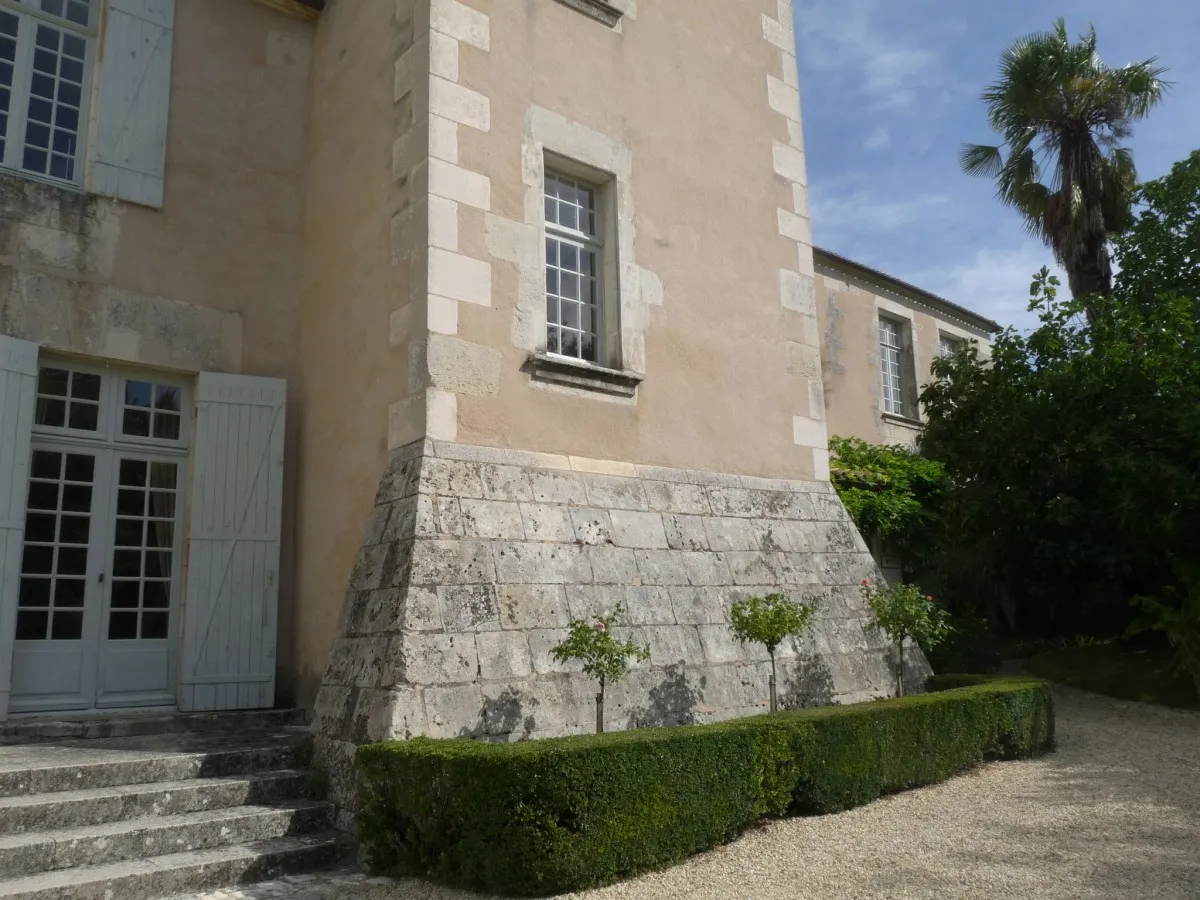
(98,600)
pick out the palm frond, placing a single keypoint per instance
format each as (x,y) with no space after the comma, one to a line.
(980,160)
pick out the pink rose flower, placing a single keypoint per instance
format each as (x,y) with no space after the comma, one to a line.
(599,626)
(929,597)
(866,582)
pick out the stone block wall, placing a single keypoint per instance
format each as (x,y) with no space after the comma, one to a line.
(475,560)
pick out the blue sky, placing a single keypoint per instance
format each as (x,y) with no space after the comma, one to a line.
(890,92)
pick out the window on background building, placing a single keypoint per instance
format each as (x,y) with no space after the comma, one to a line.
(574,262)
(892,365)
(948,346)
(46,53)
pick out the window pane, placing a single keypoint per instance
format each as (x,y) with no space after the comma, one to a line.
(45,61)
(67,625)
(77,498)
(84,416)
(72,69)
(73,529)
(138,393)
(37,560)
(66,117)
(31,626)
(122,626)
(53,381)
(552,340)
(46,464)
(39,528)
(124,595)
(80,467)
(568,216)
(129,533)
(570,314)
(8,26)
(160,534)
(167,397)
(51,413)
(551,310)
(43,495)
(163,475)
(127,563)
(133,472)
(42,86)
(551,281)
(162,505)
(54,7)
(570,342)
(588,347)
(569,255)
(41,110)
(73,46)
(68,593)
(136,422)
(156,595)
(34,592)
(72,561)
(166,426)
(131,503)
(570,286)
(154,625)
(35,160)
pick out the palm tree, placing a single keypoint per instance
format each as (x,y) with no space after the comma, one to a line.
(1062,114)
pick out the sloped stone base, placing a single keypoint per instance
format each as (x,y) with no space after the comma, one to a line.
(475,561)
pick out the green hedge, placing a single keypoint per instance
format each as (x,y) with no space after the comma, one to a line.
(542,817)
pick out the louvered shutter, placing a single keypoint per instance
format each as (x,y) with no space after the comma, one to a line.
(232,595)
(129,161)
(18,388)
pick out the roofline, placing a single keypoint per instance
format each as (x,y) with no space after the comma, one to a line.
(834,260)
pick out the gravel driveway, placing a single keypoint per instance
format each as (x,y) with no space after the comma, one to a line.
(1114,813)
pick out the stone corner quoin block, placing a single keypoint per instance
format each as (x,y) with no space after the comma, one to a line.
(474,561)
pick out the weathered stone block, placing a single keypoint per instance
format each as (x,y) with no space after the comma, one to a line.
(699,605)
(672,497)
(527,606)
(705,568)
(613,565)
(494,519)
(547,523)
(439,658)
(638,530)
(542,564)
(557,487)
(665,567)
(506,483)
(594,601)
(453,711)
(672,644)
(610,492)
(452,562)
(504,654)
(452,477)
(686,532)
(448,517)
(421,611)
(469,608)
(592,526)
(541,643)
(648,605)
(733,534)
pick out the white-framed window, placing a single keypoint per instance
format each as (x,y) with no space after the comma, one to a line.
(574,269)
(949,345)
(47,49)
(77,399)
(892,365)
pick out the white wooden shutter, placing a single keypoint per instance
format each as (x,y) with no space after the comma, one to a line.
(135,88)
(18,388)
(232,596)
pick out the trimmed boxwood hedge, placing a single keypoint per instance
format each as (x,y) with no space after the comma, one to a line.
(542,817)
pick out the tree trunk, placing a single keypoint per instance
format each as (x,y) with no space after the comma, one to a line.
(1089,272)
(600,708)
(774,706)
(900,670)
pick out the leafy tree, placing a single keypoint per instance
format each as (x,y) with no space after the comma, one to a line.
(1074,452)
(1062,115)
(769,621)
(902,612)
(1176,614)
(603,656)
(894,494)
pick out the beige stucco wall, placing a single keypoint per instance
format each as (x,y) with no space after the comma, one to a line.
(350,373)
(848,308)
(689,106)
(211,281)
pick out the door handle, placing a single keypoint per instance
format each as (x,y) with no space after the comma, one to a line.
(101,578)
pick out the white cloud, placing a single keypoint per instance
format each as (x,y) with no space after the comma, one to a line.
(846,38)
(993,282)
(850,216)
(878,139)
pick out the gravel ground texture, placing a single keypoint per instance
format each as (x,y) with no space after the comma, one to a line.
(1114,813)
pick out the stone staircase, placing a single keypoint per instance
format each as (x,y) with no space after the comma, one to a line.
(157,806)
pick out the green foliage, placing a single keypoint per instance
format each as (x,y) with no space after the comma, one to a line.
(1061,114)
(891,493)
(1074,453)
(594,644)
(544,817)
(769,620)
(1177,616)
(970,645)
(901,612)
(1142,669)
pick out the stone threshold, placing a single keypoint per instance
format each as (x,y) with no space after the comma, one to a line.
(129,723)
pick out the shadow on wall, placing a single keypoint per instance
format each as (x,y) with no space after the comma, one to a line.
(807,682)
(672,702)
(502,718)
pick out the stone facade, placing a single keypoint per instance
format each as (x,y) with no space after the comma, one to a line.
(475,560)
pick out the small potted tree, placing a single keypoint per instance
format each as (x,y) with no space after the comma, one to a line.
(603,656)
(769,621)
(903,612)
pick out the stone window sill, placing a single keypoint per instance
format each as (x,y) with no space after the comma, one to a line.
(599,10)
(585,376)
(903,421)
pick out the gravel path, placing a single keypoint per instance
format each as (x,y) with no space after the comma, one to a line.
(1114,813)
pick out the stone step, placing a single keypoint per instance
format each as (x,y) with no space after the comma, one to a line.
(45,728)
(97,806)
(83,764)
(94,845)
(183,873)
